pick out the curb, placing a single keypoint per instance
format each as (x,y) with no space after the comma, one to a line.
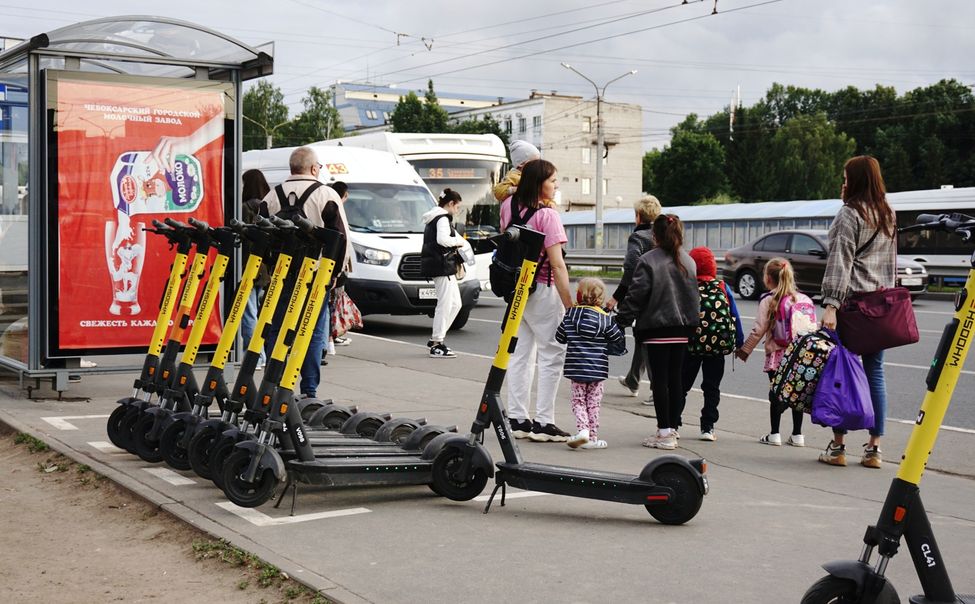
(317,583)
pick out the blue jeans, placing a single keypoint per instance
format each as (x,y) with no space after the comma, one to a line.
(311,366)
(873,366)
(249,321)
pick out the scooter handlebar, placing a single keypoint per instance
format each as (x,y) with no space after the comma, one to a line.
(199,224)
(176,224)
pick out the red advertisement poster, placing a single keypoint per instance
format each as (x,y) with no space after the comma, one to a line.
(127,153)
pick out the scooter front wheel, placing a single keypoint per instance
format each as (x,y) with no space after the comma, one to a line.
(114,426)
(173,454)
(198,453)
(447,484)
(830,590)
(145,447)
(247,494)
(687,498)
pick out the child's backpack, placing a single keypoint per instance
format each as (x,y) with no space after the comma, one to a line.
(794,318)
(715,335)
(798,375)
(506,262)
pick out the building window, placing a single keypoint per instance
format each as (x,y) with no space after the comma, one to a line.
(586,186)
(522,125)
(507,126)
(586,155)
(537,122)
(370,114)
(587,124)
(605,187)
(386,115)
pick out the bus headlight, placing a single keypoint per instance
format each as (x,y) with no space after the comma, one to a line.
(369,255)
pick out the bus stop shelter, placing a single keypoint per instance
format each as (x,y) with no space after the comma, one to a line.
(105,126)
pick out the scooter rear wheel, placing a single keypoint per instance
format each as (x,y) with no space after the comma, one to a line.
(145,448)
(687,497)
(834,590)
(219,453)
(446,484)
(247,494)
(114,425)
(176,456)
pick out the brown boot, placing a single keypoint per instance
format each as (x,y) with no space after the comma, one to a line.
(871,457)
(834,455)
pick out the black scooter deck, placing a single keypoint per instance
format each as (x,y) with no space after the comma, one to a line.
(358,471)
(579,482)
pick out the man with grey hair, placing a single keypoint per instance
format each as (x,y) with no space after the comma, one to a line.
(322,206)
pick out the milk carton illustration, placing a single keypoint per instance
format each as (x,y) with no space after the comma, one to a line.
(140,186)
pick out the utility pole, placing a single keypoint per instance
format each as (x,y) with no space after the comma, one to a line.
(600,150)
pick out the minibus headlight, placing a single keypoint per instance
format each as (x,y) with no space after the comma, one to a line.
(370,255)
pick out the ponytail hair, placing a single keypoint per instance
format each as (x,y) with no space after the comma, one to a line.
(668,232)
(448,196)
(779,272)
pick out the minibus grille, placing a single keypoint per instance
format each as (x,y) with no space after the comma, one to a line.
(409,268)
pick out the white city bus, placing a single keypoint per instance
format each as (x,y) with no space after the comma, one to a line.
(470,164)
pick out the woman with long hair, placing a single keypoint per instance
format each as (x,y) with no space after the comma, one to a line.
(544,311)
(664,300)
(862,258)
(255,189)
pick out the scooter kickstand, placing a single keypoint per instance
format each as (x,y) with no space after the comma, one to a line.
(499,485)
(284,492)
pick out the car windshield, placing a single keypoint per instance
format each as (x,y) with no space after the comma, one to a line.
(387,208)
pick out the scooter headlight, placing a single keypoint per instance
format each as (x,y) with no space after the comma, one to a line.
(370,255)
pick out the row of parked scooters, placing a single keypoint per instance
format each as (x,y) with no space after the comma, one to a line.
(264,436)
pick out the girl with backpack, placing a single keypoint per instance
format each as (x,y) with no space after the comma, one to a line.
(782,314)
(665,302)
(440,260)
(537,346)
(719,334)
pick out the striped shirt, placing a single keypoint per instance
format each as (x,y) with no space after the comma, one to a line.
(591,336)
(846,272)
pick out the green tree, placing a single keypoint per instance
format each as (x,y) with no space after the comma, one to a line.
(264,115)
(487,125)
(408,115)
(809,156)
(690,170)
(318,121)
(435,117)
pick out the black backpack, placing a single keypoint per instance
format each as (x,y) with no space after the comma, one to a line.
(506,262)
(291,204)
(435,259)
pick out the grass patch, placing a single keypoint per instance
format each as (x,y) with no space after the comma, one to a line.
(602,274)
(34,445)
(944,289)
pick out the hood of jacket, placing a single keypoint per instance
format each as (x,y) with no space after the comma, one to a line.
(707,268)
(433,213)
(588,329)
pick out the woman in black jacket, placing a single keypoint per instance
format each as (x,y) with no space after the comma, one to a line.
(639,243)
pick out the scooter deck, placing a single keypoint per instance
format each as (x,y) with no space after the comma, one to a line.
(579,482)
(959,599)
(390,450)
(358,471)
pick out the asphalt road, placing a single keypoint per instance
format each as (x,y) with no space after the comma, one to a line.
(906,367)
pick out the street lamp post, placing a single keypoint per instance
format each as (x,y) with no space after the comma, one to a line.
(600,149)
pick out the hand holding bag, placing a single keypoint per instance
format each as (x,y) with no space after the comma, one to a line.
(345,314)
(869,322)
(842,398)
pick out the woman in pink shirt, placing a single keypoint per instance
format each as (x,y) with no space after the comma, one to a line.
(543,312)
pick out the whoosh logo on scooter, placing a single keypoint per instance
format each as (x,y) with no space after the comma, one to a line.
(964,335)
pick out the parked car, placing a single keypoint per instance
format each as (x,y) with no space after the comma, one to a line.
(806,250)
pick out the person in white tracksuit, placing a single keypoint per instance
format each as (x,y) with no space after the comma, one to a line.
(440,260)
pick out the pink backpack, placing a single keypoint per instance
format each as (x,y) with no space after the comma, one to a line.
(796,316)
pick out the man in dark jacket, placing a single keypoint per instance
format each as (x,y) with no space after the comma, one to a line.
(639,243)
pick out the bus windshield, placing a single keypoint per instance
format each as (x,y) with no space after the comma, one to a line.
(474,179)
(387,208)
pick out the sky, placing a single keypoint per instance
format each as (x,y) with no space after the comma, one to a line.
(687,59)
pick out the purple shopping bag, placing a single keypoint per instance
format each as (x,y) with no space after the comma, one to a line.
(842,398)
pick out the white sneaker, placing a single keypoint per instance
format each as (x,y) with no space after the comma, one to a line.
(661,442)
(331,348)
(342,341)
(595,444)
(771,439)
(708,435)
(580,439)
(632,392)
(797,440)
(649,401)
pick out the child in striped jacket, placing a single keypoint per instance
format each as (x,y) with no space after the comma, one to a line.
(591,336)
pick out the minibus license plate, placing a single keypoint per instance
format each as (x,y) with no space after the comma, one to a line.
(911,281)
(428,293)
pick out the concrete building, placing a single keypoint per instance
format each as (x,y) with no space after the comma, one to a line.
(563,127)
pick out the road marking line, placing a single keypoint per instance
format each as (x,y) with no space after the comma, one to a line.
(169,476)
(261,519)
(485,320)
(105,447)
(61,422)
(946,428)
(924,367)
(514,495)
(459,352)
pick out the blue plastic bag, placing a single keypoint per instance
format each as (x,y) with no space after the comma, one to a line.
(842,398)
